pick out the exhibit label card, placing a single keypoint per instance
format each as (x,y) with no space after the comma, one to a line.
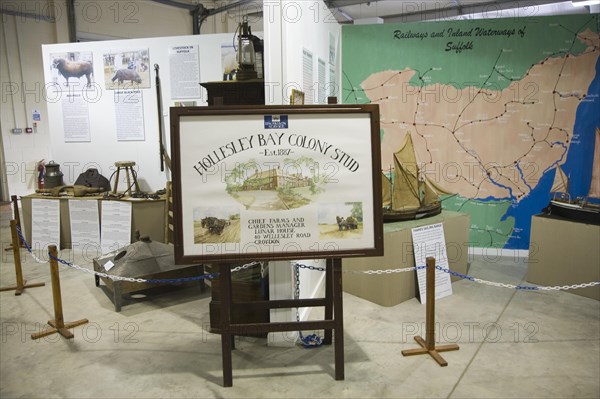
(307,76)
(129,112)
(264,184)
(45,223)
(116,225)
(85,224)
(322,82)
(429,241)
(76,119)
(184,63)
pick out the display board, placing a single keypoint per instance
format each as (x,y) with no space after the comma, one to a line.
(276,182)
(103,103)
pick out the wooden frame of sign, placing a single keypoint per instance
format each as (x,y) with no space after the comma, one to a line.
(276,182)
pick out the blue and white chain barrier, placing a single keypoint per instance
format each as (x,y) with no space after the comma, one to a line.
(312,340)
(314,268)
(519,287)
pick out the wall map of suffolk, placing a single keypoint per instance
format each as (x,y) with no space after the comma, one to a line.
(494,108)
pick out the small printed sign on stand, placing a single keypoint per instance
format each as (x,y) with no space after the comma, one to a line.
(429,241)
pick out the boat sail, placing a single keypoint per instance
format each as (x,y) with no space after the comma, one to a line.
(409,194)
(585,209)
(561,181)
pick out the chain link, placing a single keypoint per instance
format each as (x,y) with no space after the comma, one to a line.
(312,340)
(570,287)
(384,271)
(519,287)
(131,279)
(310,267)
(297,267)
(246,266)
(35,258)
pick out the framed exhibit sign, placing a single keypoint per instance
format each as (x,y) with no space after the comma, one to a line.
(276,182)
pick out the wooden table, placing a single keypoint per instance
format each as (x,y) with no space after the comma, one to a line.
(147,216)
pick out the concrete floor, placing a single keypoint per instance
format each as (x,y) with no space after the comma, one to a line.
(512,344)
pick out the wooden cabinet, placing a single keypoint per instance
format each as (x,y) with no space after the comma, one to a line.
(236,92)
(247,286)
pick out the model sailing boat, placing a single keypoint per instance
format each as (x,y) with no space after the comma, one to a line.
(409,194)
(583,209)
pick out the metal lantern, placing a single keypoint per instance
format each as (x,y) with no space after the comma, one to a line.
(246,54)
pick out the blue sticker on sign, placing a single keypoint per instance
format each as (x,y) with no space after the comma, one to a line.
(276,121)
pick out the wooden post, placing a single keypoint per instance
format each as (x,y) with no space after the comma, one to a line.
(15,201)
(21,283)
(338,312)
(58,324)
(127,169)
(116,179)
(428,344)
(226,336)
(327,339)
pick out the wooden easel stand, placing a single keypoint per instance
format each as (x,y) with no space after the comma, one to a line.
(333,322)
(58,325)
(21,283)
(428,344)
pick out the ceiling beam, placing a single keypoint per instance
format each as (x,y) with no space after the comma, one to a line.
(416,11)
(344,3)
(468,8)
(177,4)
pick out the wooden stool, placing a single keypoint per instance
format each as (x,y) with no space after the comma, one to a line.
(128,166)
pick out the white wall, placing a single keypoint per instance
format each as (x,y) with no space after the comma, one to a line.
(22,73)
(104,149)
(21,93)
(307,25)
(290,26)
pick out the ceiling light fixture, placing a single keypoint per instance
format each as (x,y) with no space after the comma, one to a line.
(583,3)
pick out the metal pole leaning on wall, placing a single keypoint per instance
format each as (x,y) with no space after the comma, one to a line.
(21,283)
(428,344)
(58,324)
